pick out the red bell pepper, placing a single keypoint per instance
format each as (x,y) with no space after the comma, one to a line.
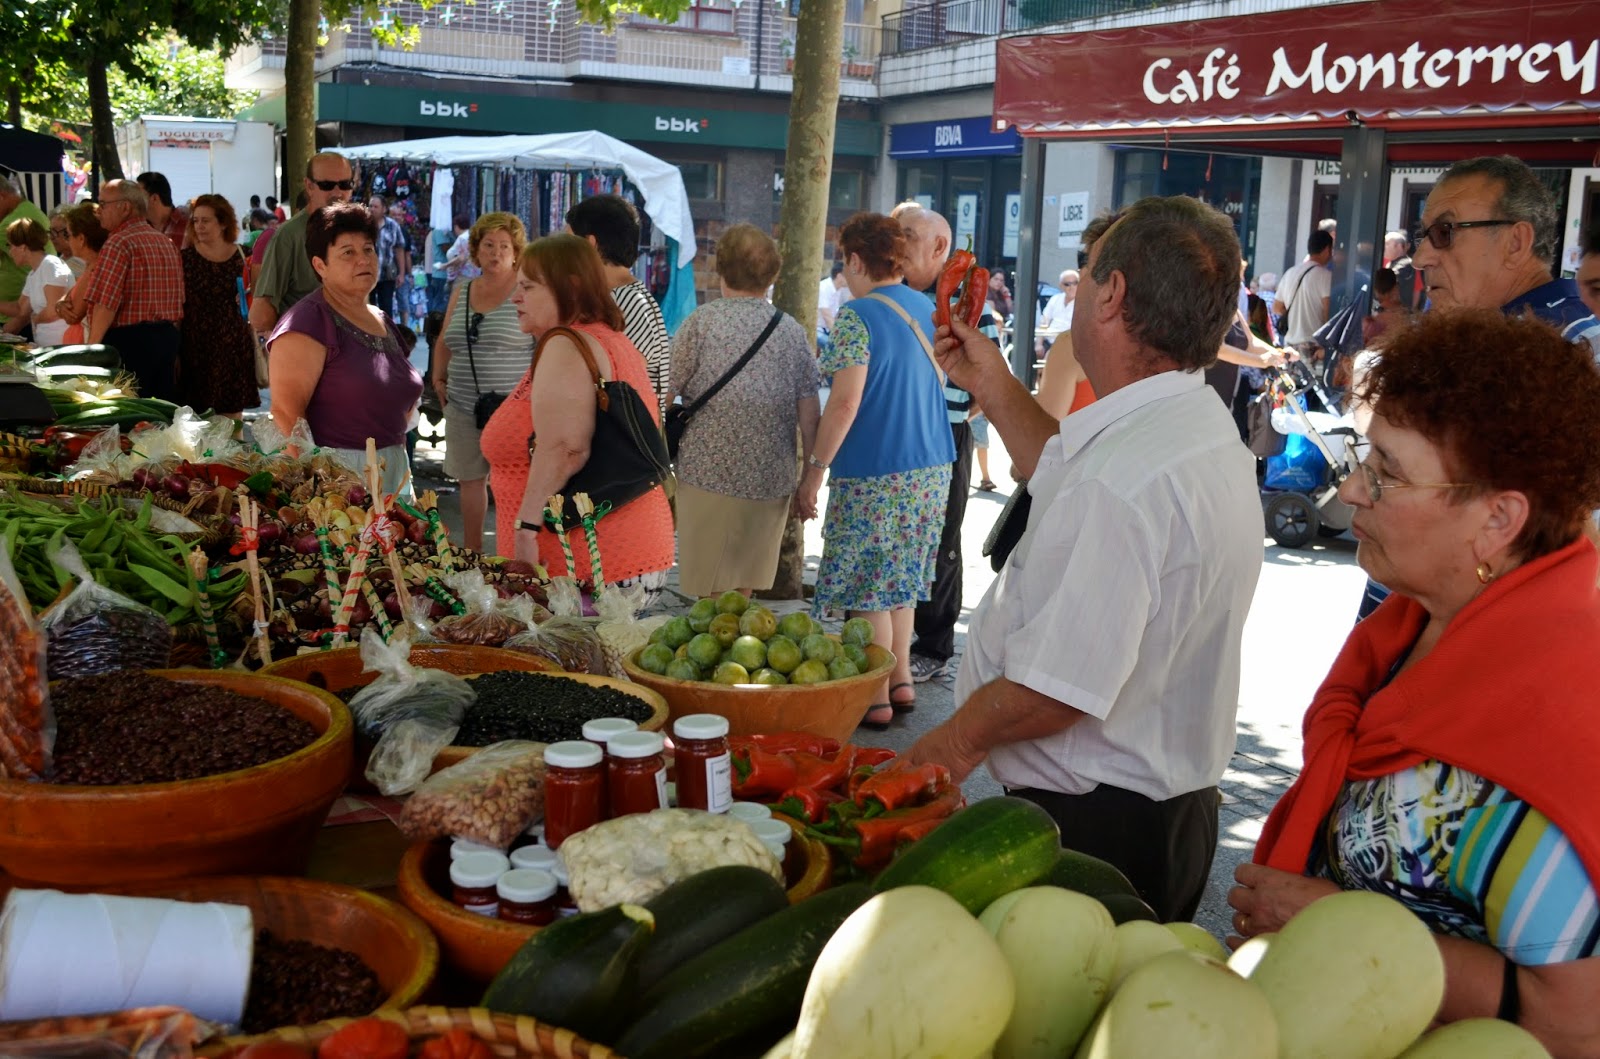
(759,774)
(896,787)
(788,743)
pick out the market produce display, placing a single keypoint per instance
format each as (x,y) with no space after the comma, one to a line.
(491,797)
(297,983)
(633,858)
(546,709)
(728,640)
(132,728)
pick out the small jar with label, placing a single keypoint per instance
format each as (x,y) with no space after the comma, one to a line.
(473,878)
(565,905)
(749,812)
(460,847)
(600,730)
(528,896)
(574,789)
(637,772)
(704,765)
(540,858)
(776,836)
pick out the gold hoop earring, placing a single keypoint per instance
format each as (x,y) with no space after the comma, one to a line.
(1485,575)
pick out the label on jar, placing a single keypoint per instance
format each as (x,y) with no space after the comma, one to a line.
(661,788)
(492,909)
(719,783)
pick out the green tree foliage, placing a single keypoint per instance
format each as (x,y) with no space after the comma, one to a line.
(164,77)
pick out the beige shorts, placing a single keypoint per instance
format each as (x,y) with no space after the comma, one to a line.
(463,453)
(725,542)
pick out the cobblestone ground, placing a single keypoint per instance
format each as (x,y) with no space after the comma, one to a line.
(1304,606)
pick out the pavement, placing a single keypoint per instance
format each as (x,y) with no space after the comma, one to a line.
(1304,606)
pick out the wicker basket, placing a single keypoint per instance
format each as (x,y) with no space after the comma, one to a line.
(509,1036)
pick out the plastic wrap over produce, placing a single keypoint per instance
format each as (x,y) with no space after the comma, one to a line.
(79,954)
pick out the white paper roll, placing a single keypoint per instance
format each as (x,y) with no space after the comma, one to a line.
(81,954)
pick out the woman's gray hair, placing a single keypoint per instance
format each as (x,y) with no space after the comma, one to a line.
(1523,197)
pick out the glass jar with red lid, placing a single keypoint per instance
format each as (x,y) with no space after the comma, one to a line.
(574,789)
(636,773)
(704,767)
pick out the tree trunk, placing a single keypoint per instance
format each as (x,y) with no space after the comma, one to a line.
(14,103)
(803,222)
(107,166)
(300,95)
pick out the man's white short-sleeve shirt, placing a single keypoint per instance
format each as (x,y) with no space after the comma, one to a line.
(1126,597)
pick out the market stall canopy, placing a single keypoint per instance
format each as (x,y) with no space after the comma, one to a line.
(35,159)
(1317,66)
(665,199)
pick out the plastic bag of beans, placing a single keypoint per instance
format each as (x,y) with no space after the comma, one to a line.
(413,713)
(95,630)
(573,644)
(491,797)
(27,724)
(488,621)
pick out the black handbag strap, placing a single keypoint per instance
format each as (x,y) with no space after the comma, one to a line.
(772,325)
(466,303)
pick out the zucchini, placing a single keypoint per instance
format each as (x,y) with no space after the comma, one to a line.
(1087,875)
(574,972)
(981,853)
(696,913)
(749,985)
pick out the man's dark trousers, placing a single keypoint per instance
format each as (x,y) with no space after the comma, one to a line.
(935,621)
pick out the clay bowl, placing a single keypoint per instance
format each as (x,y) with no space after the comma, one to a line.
(340,669)
(833,709)
(398,946)
(452,755)
(472,945)
(258,821)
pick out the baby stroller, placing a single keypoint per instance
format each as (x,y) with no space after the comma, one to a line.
(1304,502)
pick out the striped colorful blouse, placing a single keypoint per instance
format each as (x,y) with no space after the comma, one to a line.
(1469,857)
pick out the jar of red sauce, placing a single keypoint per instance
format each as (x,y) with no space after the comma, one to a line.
(704,765)
(527,895)
(637,773)
(473,877)
(600,732)
(574,789)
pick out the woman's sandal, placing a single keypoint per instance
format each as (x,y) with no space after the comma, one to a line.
(878,724)
(906,706)
(986,486)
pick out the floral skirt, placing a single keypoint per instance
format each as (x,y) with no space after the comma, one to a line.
(881,540)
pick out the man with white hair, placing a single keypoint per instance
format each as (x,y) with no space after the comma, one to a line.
(1057,315)
(13,207)
(1397,258)
(136,290)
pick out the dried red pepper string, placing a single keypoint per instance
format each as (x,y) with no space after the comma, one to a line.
(249,540)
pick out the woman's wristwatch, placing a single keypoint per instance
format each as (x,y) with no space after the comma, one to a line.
(812,461)
(531,527)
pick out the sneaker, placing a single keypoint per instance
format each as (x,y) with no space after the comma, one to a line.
(924,669)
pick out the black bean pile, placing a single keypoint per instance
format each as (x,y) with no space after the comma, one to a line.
(126,728)
(296,983)
(107,639)
(546,709)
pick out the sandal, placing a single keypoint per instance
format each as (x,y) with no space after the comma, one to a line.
(986,486)
(877,724)
(906,706)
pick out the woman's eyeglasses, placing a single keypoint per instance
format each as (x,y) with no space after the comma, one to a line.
(1442,234)
(1376,486)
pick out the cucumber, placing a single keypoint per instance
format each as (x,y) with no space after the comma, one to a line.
(749,985)
(574,972)
(983,852)
(696,913)
(1087,875)
(1125,908)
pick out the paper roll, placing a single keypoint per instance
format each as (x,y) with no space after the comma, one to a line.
(82,954)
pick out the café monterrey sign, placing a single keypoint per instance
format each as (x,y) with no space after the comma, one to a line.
(1326,62)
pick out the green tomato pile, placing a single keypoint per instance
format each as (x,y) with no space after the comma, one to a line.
(729,640)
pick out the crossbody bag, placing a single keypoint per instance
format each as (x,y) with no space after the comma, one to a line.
(927,347)
(678,416)
(487,403)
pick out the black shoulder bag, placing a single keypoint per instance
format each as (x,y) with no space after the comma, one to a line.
(485,405)
(627,456)
(678,416)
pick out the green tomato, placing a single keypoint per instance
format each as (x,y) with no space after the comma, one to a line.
(858,656)
(731,602)
(842,668)
(783,654)
(857,631)
(705,651)
(676,632)
(819,648)
(759,622)
(658,634)
(683,669)
(701,613)
(748,652)
(725,627)
(770,677)
(655,658)
(731,673)
(796,626)
(809,672)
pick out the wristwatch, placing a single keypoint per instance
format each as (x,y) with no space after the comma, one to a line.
(531,527)
(812,461)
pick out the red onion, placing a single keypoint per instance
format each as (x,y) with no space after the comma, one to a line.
(177,485)
(307,544)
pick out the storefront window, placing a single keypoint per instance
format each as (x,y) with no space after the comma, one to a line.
(844,190)
(702,180)
(920,183)
(1231,184)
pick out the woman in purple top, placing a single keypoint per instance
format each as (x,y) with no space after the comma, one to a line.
(336,361)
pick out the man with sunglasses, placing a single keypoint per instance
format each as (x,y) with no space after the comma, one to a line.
(1488,241)
(286,272)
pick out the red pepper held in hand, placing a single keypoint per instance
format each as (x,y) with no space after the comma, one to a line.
(969,308)
(895,788)
(950,280)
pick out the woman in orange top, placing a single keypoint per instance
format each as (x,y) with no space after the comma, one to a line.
(561,282)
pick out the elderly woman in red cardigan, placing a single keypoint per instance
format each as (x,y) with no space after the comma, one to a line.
(1450,753)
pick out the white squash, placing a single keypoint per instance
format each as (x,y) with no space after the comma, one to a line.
(1139,941)
(910,975)
(1478,1039)
(1245,957)
(1183,1004)
(1196,938)
(1353,976)
(1061,947)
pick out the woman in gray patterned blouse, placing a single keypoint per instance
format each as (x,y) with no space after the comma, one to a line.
(737,470)
(480,350)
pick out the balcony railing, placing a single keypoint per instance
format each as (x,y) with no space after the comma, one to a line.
(933,25)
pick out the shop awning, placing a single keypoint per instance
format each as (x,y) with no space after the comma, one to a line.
(665,199)
(1458,64)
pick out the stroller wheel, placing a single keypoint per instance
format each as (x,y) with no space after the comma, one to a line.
(1292,520)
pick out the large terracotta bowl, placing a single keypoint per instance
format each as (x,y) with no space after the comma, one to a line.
(257,821)
(833,709)
(340,669)
(398,946)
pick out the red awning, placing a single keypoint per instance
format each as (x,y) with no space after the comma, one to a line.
(1313,66)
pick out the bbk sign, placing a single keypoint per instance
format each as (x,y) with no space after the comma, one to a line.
(684,125)
(442,109)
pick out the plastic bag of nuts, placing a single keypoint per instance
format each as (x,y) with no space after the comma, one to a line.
(491,797)
(27,724)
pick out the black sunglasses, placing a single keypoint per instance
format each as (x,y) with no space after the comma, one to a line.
(472,325)
(1442,234)
(329,185)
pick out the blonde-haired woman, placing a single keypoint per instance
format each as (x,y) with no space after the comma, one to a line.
(481,354)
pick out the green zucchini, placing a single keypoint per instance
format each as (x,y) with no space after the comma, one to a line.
(1087,875)
(743,988)
(696,913)
(1125,908)
(983,852)
(574,972)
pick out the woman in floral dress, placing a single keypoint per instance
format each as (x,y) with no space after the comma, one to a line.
(217,370)
(885,443)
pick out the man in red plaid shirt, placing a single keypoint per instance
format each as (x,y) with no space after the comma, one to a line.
(137,291)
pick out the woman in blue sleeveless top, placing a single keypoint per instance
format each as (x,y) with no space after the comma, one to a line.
(885,444)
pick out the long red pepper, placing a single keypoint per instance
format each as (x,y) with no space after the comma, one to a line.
(761,774)
(955,271)
(788,743)
(877,838)
(896,787)
(969,307)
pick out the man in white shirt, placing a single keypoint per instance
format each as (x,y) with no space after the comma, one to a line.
(1101,677)
(1305,291)
(1057,314)
(827,306)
